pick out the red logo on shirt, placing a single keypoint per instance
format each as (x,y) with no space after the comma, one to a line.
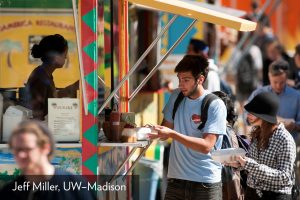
(196,118)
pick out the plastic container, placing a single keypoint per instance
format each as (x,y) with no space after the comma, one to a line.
(227,155)
(142,132)
(12,117)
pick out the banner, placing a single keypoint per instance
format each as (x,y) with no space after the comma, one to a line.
(18,33)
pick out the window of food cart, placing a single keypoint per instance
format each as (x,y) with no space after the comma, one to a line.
(39,68)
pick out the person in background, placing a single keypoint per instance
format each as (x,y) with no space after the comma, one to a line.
(289,98)
(295,81)
(52,50)
(248,64)
(274,51)
(33,147)
(192,173)
(199,47)
(272,152)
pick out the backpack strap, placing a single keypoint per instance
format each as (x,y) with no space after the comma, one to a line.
(226,141)
(204,108)
(176,104)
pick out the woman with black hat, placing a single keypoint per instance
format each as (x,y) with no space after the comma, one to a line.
(272,152)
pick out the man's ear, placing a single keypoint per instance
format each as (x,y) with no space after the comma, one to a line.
(200,80)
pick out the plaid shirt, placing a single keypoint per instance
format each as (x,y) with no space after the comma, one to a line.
(271,169)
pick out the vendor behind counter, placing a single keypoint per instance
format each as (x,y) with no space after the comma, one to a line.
(52,50)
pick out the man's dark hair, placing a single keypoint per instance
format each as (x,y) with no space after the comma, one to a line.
(278,67)
(196,64)
(297,49)
(231,114)
(198,45)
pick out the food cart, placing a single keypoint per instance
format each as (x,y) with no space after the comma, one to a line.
(88,155)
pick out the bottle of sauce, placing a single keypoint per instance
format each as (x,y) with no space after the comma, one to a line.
(114,119)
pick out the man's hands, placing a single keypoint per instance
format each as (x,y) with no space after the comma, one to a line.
(163,133)
(202,144)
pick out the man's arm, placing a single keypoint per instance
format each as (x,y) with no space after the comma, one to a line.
(203,145)
(215,125)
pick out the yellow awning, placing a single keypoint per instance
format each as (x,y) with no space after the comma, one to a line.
(192,10)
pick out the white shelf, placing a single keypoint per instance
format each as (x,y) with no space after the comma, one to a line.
(139,144)
(60,145)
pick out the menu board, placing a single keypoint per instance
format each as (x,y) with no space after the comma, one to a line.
(63,119)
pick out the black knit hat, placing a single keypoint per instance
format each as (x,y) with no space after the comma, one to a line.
(264,106)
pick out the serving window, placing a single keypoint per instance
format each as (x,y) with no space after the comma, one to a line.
(20,30)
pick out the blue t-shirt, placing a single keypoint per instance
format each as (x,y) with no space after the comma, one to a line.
(185,163)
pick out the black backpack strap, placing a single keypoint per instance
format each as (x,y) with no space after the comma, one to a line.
(204,108)
(226,141)
(176,104)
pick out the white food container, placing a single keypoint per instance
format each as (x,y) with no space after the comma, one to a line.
(12,117)
(227,155)
(142,132)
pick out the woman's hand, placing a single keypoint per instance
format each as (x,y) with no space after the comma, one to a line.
(236,162)
(241,160)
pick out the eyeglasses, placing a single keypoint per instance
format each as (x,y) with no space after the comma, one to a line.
(26,150)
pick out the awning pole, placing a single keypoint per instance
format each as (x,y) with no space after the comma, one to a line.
(126,77)
(134,93)
(85,106)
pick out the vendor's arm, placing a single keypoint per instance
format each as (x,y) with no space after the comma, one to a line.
(69,91)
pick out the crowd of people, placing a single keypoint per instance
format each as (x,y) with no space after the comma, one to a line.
(264,92)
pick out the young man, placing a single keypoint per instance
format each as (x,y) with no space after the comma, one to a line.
(33,147)
(289,98)
(192,174)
